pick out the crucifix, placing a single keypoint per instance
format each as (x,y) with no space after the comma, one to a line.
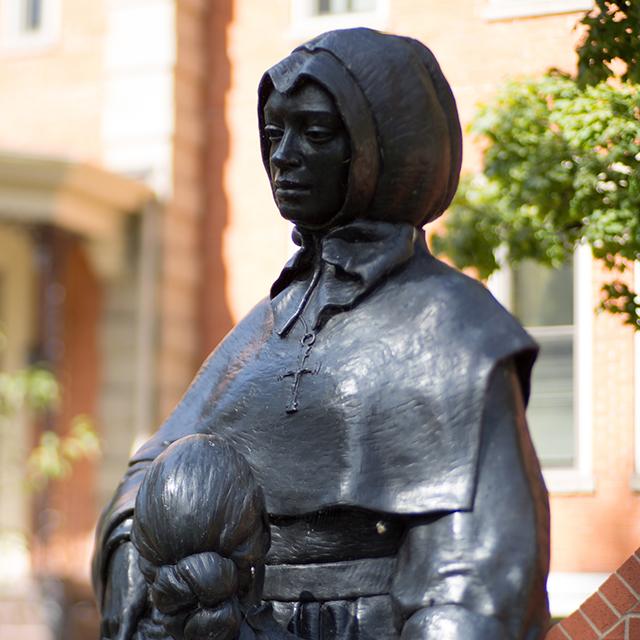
(307,342)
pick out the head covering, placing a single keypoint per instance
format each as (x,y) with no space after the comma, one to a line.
(406,142)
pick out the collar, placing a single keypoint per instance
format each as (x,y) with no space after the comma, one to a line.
(333,272)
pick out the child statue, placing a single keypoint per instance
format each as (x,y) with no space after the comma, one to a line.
(201,531)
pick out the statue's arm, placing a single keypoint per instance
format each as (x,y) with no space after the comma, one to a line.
(480,574)
(125,595)
(116,595)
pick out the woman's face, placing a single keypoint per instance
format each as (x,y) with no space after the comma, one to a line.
(308,155)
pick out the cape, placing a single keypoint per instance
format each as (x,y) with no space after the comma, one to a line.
(389,416)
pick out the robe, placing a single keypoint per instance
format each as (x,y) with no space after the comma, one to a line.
(403,492)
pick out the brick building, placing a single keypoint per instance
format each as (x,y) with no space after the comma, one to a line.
(129,163)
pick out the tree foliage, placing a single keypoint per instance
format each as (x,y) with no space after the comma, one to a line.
(613,34)
(561,167)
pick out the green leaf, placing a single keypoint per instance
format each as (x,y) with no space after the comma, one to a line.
(561,168)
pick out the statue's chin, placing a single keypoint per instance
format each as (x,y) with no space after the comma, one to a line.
(307,218)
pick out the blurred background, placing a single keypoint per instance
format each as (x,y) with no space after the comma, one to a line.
(137,226)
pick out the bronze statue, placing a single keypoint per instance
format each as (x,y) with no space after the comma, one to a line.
(377,395)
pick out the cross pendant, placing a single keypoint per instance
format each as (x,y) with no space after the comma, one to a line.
(307,343)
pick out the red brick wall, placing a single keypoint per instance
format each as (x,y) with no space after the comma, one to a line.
(612,613)
(52,97)
(182,273)
(215,317)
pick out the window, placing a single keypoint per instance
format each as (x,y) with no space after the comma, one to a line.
(542,299)
(324,7)
(32,15)
(26,25)
(310,17)
(556,307)
(506,9)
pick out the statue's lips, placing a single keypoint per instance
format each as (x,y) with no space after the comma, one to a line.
(288,189)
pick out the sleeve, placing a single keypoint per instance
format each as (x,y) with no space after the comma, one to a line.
(192,415)
(481,573)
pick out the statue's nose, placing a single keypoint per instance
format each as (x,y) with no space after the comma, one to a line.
(287,152)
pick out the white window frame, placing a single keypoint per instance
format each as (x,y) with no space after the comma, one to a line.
(15,40)
(508,9)
(579,477)
(305,24)
(569,590)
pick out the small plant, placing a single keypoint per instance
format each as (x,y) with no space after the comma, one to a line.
(36,390)
(54,456)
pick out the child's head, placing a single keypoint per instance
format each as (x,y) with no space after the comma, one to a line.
(201,530)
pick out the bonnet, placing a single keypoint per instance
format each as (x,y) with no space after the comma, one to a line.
(399,111)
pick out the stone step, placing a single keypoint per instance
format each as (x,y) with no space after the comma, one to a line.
(22,615)
(24,632)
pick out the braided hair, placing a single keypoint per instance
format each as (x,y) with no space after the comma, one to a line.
(201,531)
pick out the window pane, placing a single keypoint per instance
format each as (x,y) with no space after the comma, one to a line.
(543,301)
(543,296)
(337,6)
(550,411)
(32,14)
(343,6)
(363,5)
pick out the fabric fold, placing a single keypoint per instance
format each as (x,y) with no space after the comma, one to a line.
(331,273)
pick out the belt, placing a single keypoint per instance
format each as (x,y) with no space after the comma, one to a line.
(329,581)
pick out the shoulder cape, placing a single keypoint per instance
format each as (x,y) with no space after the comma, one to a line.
(415,453)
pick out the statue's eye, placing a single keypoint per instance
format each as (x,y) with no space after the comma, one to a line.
(273,132)
(319,134)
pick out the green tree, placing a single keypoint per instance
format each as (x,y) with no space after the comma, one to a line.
(613,34)
(561,165)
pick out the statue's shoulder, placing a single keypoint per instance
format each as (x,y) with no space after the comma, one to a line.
(256,325)
(259,318)
(448,308)
(451,289)
(237,346)
(459,300)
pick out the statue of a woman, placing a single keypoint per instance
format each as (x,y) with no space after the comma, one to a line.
(378,395)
